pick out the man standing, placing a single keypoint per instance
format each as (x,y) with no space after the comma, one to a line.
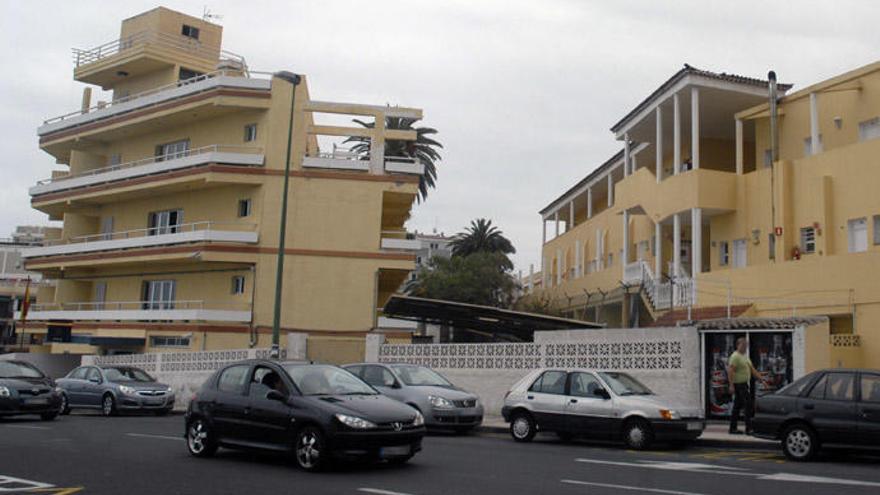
(739,372)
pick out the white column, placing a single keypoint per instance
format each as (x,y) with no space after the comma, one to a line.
(558,267)
(589,202)
(577,258)
(556,219)
(695,128)
(625,257)
(696,241)
(570,224)
(658,251)
(610,190)
(676,244)
(543,231)
(739,147)
(676,135)
(626,155)
(531,283)
(814,125)
(658,146)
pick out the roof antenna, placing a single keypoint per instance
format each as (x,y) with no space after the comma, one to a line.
(209,16)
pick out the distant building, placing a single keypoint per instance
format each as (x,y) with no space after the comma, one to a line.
(428,246)
(14,278)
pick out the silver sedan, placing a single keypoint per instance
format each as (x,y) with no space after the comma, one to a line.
(112,389)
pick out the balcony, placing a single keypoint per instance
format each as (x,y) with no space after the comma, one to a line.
(398,240)
(152,98)
(343,159)
(233,155)
(149,237)
(141,311)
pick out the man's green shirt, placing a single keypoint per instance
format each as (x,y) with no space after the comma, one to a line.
(742,367)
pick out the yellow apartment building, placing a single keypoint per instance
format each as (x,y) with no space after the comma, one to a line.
(170,194)
(700,215)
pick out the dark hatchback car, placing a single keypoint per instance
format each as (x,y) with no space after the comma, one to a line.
(317,412)
(828,408)
(24,389)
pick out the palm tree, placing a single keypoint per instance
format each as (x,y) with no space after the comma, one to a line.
(481,236)
(422,149)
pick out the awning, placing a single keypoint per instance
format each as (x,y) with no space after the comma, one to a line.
(484,319)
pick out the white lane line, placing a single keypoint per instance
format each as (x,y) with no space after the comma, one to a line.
(627,487)
(147,435)
(694,467)
(379,491)
(28,427)
(8,484)
(815,479)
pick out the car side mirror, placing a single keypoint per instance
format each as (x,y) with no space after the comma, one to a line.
(276,395)
(396,384)
(601,392)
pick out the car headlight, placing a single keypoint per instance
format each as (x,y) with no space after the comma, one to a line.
(440,402)
(168,390)
(59,390)
(355,422)
(669,414)
(125,389)
(4,392)
(419,420)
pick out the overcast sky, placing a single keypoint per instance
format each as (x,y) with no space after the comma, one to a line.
(522,92)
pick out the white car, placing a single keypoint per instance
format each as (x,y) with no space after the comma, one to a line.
(607,405)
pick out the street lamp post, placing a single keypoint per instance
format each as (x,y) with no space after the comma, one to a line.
(294,80)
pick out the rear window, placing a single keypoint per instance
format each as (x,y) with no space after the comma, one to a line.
(550,382)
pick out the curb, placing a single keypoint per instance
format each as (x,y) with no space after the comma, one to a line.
(745,444)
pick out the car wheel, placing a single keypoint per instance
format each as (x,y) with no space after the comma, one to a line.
(309,450)
(800,443)
(523,427)
(108,405)
(49,416)
(637,434)
(199,440)
(65,405)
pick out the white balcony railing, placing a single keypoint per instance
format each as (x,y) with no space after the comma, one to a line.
(236,155)
(156,96)
(139,238)
(404,165)
(344,159)
(398,240)
(151,38)
(141,311)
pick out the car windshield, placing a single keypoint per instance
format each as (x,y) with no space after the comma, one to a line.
(327,380)
(623,384)
(12,369)
(419,375)
(127,375)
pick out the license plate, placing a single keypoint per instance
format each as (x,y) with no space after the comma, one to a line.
(394,451)
(695,426)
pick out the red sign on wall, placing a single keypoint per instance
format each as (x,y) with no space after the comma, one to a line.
(778,231)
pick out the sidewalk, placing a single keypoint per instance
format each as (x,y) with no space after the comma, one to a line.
(715,435)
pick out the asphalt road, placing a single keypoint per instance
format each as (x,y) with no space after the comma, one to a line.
(134,455)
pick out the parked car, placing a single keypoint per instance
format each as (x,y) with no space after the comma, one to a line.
(828,408)
(113,389)
(442,403)
(319,412)
(607,405)
(24,389)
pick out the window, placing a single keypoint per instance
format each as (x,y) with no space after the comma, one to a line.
(876,229)
(768,158)
(723,253)
(798,387)
(841,386)
(79,373)
(233,379)
(740,248)
(250,133)
(869,129)
(170,151)
(771,246)
(238,284)
(168,341)
(190,31)
(610,259)
(857,230)
(808,240)
(870,388)
(158,294)
(100,295)
(584,385)
(115,159)
(264,380)
(551,382)
(808,146)
(818,391)
(164,222)
(244,207)
(186,76)
(378,376)
(93,375)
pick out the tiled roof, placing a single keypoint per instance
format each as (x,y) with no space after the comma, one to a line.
(688,70)
(755,323)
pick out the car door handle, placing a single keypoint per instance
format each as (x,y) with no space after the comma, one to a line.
(809,407)
(530,397)
(573,401)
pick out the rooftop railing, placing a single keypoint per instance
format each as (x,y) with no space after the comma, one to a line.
(214,148)
(84,57)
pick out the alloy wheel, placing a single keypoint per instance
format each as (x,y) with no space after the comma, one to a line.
(197,437)
(107,406)
(63,408)
(308,450)
(521,427)
(799,443)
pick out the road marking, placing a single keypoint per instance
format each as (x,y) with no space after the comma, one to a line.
(28,427)
(147,435)
(379,491)
(815,479)
(627,487)
(8,484)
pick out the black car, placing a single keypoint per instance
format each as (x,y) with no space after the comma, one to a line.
(24,389)
(317,412)
(828,408)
